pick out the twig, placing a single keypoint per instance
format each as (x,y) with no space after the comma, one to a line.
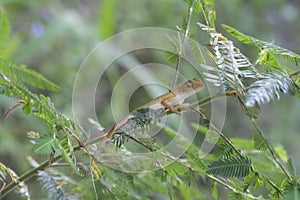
(181,44)
(235,149)
(272,151)
(139,142)
(295,74)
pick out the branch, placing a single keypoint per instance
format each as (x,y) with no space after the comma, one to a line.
(237,150)
(180,48)
(28,175)
(272,151)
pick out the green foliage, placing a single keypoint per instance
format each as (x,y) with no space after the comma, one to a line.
(23,74)
(45,145)
(207,7)
(248,168)
(268,88)
(214,191)
(5,30)
(192,153)
(267,50)
(67,151)
(231,65)
(140,122)
(230,167)
(54,184)
(6,175)
(292,191)
(259,142)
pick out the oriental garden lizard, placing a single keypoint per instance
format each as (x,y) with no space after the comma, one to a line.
(170,101)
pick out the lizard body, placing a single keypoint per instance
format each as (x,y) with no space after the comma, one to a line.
(170,101)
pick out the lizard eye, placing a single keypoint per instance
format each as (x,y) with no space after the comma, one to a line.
(190,83)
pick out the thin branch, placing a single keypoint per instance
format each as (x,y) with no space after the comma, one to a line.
(209,99)
(234,148)
(295,74)
(272,151)
(139,142)
(181,44)
(230,187)
(27,175)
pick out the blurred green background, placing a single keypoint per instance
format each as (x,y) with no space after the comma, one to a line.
(55,36)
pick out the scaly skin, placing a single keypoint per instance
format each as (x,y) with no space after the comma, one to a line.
(171,101)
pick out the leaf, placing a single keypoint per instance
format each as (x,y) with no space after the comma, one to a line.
(45,145)
(27,108)
(223,150)
(26,75)
(269,88)
(95,169)
(232,67)
(292,191)
(259,142)
(13,177)
(54,184)
(264,47)
(172,57)
(192,153)
(214,191)
(188,177)
(169,188)
(292,168)
(242,144)
(208,10)
(235,196)
(5,29)
(68,154)
(230,167)
(252,112)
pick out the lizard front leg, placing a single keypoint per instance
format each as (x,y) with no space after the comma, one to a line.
(172,108)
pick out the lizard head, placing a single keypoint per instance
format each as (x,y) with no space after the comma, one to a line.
(188,88)
(193,85)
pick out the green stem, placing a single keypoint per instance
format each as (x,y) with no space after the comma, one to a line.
(230,187)
(11,186)
(180,47)
(235,149)
(272,150)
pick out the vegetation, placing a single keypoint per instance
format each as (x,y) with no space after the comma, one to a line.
(247,168)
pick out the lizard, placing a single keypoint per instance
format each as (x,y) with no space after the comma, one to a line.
(170,101)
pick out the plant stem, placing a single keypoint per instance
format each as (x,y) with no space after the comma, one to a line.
(272,151)
(11,186)
(230,187)
(181,44)
(238,152)
(209,99)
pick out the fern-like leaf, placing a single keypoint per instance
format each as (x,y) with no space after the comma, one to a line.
(208,9)
(230,167)
(292,191)
(192,153)
(268,88)
(40,106)
(231,65)
(45,145)
(67,152)
(7,175)
(266,48)
(140,122)
(23,74)
(259,142)
(54,184)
